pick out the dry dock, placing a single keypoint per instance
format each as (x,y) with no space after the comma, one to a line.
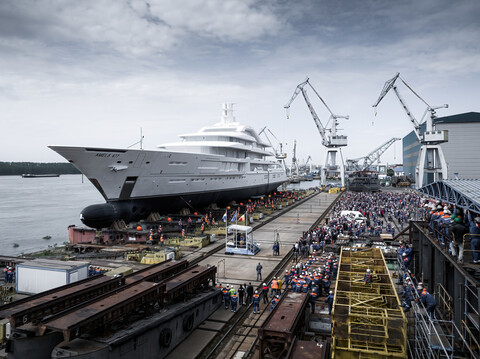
(236,270)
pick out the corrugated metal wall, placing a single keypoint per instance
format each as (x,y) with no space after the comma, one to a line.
(462,151)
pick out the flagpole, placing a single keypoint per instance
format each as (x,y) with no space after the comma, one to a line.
(226,228)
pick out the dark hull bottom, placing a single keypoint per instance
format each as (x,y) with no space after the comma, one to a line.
(103,215)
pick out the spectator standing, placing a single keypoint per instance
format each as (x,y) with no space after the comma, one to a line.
(241,294)
(259,271)
(234,300)
(474,225)
(458,230)
(249,293)
(265,293)
(329,301)
(256,303)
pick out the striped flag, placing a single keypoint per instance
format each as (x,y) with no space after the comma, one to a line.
(234,218)
(242,218)
(224,218)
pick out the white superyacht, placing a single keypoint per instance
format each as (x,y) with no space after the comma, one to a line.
(218,164)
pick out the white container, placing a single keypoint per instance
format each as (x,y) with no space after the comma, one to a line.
(39,275)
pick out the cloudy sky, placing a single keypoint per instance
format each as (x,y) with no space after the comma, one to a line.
(93,72)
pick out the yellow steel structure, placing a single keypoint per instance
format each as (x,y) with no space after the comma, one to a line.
(367,319)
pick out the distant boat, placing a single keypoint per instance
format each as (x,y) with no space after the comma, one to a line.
(31,175)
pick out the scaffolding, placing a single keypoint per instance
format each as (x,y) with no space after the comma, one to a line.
(441,337)
(367,318)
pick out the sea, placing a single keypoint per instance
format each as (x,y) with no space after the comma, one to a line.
(35,209)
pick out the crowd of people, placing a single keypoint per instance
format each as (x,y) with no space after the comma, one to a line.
(452,227)
(9,274)
(382,212)
(232,298)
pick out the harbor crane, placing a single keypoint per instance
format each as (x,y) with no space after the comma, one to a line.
(307,162)
(294,171)
(279,154)
(431,158)
(330,139)
(371,158)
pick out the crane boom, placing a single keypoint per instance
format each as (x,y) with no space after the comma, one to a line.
(317,121)
(374,156)
(329,141)
(390,84)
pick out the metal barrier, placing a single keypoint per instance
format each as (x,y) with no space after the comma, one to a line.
(435,338)
(468,238)
(445,302)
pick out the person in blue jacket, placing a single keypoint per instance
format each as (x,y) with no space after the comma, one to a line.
(256,303)
(234,300)
(474,225)
(429,302)
(329,301)
(367,278)
(226,296)
(408,293)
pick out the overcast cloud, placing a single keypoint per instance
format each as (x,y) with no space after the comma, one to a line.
(94,72)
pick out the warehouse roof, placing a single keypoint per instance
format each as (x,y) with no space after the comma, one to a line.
(463,193)
(462,117)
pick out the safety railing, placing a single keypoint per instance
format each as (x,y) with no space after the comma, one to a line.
(432,338)
(467,240)
(471,305)
(445,302)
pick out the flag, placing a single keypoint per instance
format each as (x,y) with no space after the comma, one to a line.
(242,218)
(234,218)
(224,218)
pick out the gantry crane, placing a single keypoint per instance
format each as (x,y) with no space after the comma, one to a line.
(371,158)
(331,141)
(431,153)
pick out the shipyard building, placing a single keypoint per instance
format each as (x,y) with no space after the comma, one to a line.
(461,151)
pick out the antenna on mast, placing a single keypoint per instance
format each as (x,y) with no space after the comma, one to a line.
(139,142)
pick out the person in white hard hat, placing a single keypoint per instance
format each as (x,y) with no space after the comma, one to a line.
(367,278)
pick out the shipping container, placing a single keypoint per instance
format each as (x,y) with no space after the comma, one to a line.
(43,274)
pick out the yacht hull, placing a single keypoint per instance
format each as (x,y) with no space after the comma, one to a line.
(135,183)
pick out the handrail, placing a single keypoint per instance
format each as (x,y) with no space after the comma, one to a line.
(446,301)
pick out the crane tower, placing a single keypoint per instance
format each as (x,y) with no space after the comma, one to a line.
(431,158)
(330,139)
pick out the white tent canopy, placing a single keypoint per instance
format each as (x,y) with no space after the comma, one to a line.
(239,228)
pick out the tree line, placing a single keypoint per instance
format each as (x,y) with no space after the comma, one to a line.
(36,168)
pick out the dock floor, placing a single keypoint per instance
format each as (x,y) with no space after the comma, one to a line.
(236,270)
